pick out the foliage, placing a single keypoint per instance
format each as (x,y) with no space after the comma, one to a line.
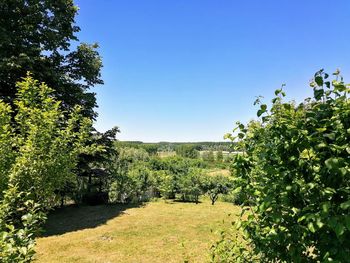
(45,144)
(219,156)
(123,179)
(216,185)
(295,172)
(94,177)
(191,185)
(20,219)
(208,156)
(187,151)
(36,36)
(39,147)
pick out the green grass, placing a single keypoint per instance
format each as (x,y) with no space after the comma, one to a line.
(160,231)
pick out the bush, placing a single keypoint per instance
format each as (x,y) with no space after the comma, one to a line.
(39,145)
(295,172)
(20,221)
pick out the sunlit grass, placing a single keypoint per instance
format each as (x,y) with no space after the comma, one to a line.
(160,231)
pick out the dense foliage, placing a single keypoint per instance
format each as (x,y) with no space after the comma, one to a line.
(137,176)
(184,149)
(36,36)
(295,176)
(39,147)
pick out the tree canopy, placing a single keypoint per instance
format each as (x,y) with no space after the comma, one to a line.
(36,36)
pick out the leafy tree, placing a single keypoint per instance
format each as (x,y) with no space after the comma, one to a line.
(216,185)
(295,173)
(43,151)
(45,144)
(219,156)
(36,36)
(142,181)
(208,156)
(187,151)
(93,172)
(191,185)
(122,186)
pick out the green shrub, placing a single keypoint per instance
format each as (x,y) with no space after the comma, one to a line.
(295,173)
(39,145)
(20,221)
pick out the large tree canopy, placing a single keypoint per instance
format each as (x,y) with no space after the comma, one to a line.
(35,36)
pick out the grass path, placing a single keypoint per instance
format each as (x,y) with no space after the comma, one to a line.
(157,232)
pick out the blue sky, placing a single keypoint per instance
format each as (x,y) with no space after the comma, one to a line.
(187,70)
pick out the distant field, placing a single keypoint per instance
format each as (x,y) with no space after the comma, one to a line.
(218,171)
(166,154)
(160,231)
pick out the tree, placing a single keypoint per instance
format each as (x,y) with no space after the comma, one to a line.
(93,172)
(36,36)
(294,171)
(216,185)
(39,149)
(191,185)
(219,156)
(187,151)
(122,188)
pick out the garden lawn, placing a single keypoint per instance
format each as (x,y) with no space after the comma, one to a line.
(162,231)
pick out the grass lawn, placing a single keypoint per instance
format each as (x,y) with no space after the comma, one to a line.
(162,231)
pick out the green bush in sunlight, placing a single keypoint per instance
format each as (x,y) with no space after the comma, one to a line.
(39,147)
(295,173)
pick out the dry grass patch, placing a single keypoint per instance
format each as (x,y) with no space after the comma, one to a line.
(156,232)
(218,171)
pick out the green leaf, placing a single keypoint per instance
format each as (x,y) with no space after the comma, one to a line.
(278,91)
(260,112)
(319,80)
(347,221)
(339,229)
(318,93)
(345,205)
(330,136)
(311,227)
(326,206)
(333,163)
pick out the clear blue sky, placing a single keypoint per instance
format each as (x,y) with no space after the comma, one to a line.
(186,70)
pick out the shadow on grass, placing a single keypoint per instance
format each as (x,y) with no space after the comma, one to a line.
(72,218)
(186,201)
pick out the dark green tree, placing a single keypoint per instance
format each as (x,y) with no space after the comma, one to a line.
(36,36)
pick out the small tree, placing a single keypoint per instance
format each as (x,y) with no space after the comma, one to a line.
(39,148)
(219,156)
(216,185)
(191,185)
